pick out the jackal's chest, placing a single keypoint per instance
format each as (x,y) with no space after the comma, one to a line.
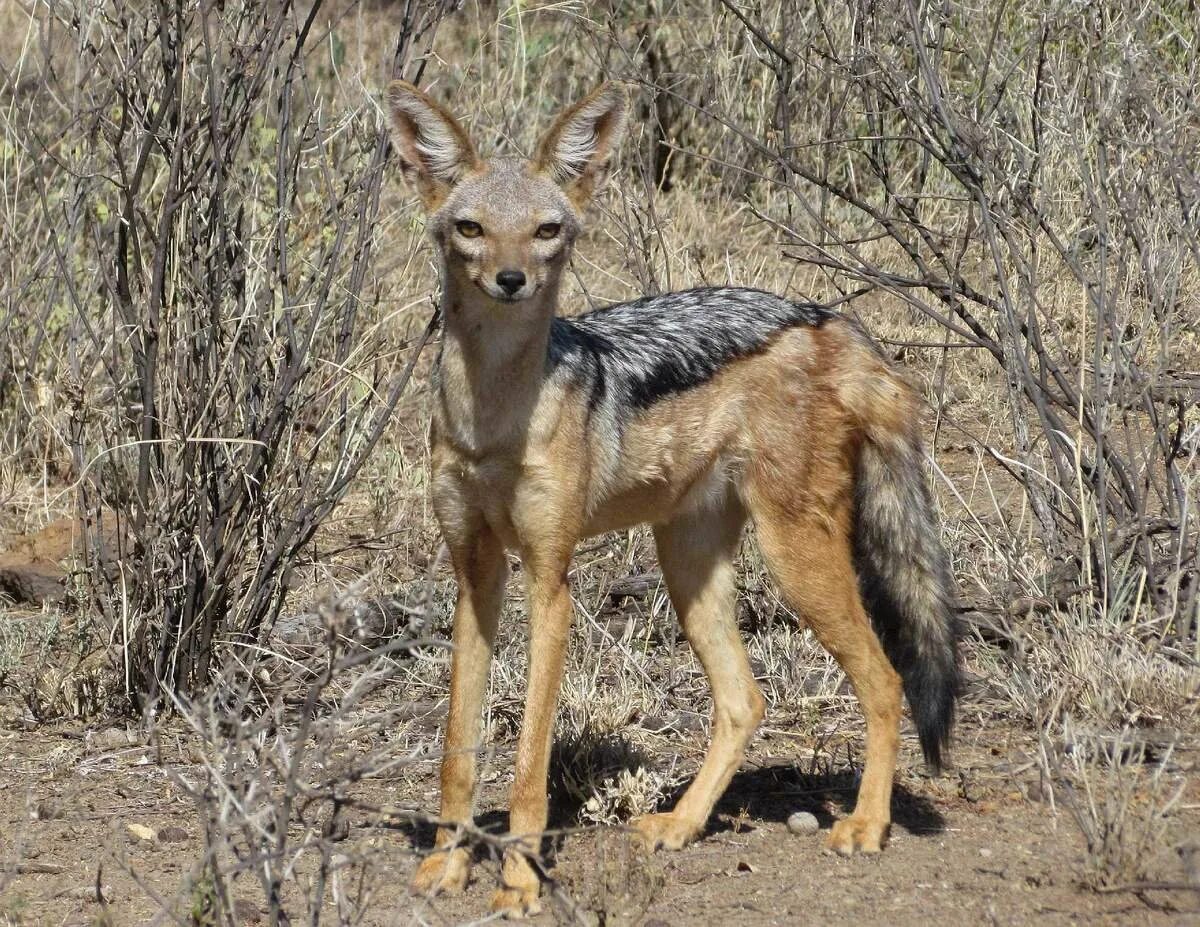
(526,500)
(465,490)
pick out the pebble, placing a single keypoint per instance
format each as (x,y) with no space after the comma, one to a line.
(803,823)
(141,832)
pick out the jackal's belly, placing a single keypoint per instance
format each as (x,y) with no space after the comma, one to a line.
(507,497)
(662,498)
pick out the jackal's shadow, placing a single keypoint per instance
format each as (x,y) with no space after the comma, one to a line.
(773,793)
(754,796)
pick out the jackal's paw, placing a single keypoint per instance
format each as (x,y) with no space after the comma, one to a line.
(443,871)
(516,903)
(668,831)
(857,835)
(518,894)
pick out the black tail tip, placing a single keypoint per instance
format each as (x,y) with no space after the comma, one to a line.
(936,760)
(933,711)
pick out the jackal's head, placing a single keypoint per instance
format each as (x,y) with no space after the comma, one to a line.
(505,225)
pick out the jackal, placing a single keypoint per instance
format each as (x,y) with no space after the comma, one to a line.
(693,412)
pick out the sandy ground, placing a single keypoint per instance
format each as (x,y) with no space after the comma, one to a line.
(83,808)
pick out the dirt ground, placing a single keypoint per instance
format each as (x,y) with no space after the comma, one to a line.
(81,809)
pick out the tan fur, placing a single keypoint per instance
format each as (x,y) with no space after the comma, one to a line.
(773,437)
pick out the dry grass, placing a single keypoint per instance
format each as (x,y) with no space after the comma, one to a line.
(1078,619)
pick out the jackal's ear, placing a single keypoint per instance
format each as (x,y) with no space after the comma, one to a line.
(579,147)
(434,150)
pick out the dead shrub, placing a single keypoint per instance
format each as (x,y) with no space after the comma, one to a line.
(197,237)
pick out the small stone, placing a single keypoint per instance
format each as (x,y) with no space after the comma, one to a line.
(141,832)
(247,912)
(803,823)
(47,810)
(90,893)
(172,833)
(114,738)
(985,852)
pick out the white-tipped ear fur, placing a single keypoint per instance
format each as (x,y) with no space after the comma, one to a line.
(433,147)
(579,146)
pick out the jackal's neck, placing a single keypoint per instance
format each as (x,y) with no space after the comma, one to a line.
(492,368)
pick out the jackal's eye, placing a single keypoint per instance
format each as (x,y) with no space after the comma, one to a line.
(548,230)
(468,229)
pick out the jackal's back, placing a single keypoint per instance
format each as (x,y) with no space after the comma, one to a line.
(637,353)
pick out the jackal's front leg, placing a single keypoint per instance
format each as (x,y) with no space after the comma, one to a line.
(696,553)
(549,629)
(480,568)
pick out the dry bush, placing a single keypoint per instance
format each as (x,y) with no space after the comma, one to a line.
(617,890)
(196,227)
(287,743)
(605,776)
(1122,799)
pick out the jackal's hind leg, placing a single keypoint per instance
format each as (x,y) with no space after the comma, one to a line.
(696,553)
(810,558)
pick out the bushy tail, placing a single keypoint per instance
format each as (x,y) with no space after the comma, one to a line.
(906,582)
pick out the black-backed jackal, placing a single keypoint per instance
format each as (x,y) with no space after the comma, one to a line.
(692,412)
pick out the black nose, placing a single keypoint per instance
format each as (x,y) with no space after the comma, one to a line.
(510,280)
